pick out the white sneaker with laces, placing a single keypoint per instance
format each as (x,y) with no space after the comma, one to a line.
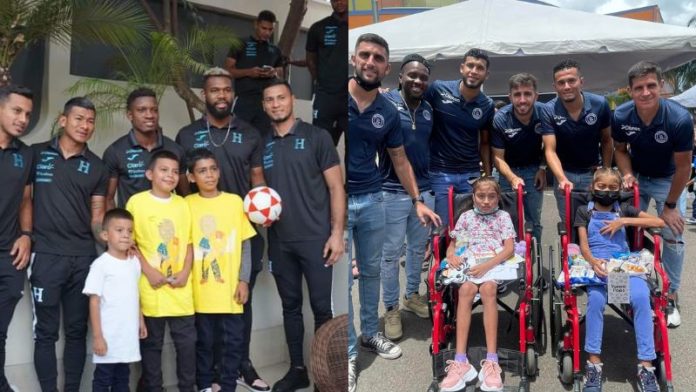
(673,316)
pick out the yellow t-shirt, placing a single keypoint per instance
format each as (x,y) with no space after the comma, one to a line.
(219,226)
(162,232)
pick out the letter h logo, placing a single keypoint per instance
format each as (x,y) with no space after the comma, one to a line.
(83,167)
(299,144)
(18,160)
(236,137)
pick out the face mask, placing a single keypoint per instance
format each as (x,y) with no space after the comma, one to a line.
(605,198)
(479,212)
(367,86)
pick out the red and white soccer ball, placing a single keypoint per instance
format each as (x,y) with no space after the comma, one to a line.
(262,205)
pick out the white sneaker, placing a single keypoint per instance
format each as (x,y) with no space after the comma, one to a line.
(206,390)
(352,374)
(673,316)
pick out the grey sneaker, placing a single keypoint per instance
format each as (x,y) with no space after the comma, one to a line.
(417,304)
(352,374)
(381,346)
(690,220)
(647,382)
(392,324)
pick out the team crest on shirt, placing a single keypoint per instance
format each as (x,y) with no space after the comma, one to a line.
(426,115)
(661,137)
(477,113)
(591,119)
(377,120)
(537,128)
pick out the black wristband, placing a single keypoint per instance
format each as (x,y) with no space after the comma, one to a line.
(670,205)
(417,199)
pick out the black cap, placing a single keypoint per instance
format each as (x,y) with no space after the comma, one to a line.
(415,57)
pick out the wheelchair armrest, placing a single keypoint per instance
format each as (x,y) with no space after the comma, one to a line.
(654,231)
(440,231)
(561,229)
(528,227)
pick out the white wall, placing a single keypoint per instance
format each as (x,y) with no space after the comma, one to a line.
(268,341)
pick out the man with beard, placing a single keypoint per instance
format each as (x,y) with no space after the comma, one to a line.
(253,65)
(301,163)
(660,134)
(401,221)
(129,156)
(238,148)
(327,45)
(15,207)
(573,125)
(373,124)
(516,146)
(463,116)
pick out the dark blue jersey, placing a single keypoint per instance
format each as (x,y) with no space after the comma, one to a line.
(455,140)
(652,146)
(416,142)
(522,143)
(577,142)
(376,127)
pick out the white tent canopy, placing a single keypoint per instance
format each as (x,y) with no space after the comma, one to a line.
(524,37)
(687,98)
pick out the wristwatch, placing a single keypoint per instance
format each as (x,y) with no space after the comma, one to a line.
(670,205)
(418,199)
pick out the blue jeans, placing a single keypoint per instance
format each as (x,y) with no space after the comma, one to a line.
(401,222)
(642,318)
(366,230)
(582,181)
(533,199)
(673,251)
(440,183)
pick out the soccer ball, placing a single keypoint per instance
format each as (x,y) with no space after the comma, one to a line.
(262,205)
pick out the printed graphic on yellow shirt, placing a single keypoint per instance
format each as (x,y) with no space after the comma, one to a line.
(212,248)
(168,249)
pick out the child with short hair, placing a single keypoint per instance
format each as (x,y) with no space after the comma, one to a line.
(601,234)
(486,229)
(114,305)
(162,224)
(221,270)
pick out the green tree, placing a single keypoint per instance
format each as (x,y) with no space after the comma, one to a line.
(684,76)
(118,23)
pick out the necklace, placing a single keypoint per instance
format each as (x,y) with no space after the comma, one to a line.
(210,136)
(411,117)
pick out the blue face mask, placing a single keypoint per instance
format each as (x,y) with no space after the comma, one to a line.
(492,211)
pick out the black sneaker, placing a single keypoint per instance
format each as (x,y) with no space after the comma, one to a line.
(647,382)
(249,379)
(381,346)
(593,377)
(296,378)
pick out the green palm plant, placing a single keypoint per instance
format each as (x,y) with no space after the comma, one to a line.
(118,23)
(684,76)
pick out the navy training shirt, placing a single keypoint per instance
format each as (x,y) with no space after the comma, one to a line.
(377,126)
(416,143)
(16,166)
(652,146)
(328,38)
(577,142)
(253,53)
(522,143)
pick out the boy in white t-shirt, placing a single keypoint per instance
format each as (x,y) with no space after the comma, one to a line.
(114,305)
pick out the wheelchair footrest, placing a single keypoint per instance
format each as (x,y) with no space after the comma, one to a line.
(510,361)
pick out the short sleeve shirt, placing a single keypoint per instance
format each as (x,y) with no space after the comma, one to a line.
(485,233)
(294,166)
(127,161)
(238,150)
(652,146)
(416,143)
(522,143)
(328,38)
(63,189)
(16,163)
(605,245)
(378,126)
(115,281)
(162,229)
(456,128)
(253,53)
(219,228)
(577,142)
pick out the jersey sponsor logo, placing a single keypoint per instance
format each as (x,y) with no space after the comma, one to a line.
(511,132)
(377,120)
(330,35)
(83,167)
(477,113)
(299,144)
(661,137)
(135,164)
(200,139)
(591,119)
(250,49)
(17,160)
(629,129)
(45,166)
(446,97)
(427,115)
(559,120)
(131,157)
(268,155)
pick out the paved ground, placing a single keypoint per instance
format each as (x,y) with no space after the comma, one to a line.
(412,372)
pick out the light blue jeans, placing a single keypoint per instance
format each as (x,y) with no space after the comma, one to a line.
(533,199)
(657,188)
(366,231)
(581,182)
(401,222)
(642,318)
(440,183)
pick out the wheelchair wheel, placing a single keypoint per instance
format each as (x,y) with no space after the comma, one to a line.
(531,361)
(434,387)
(565,370)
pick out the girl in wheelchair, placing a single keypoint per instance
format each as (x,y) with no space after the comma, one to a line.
(601,233)
(485,229)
